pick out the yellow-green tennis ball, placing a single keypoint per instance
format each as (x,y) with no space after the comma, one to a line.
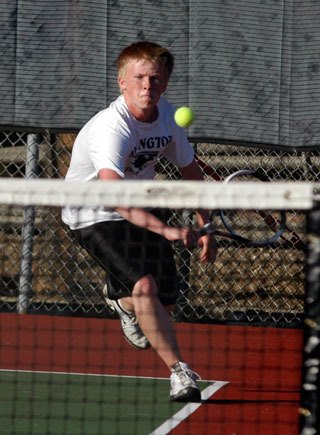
(184,117)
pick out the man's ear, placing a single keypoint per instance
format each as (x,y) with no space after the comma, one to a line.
(121,83)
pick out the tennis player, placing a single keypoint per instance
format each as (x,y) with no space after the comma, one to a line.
(123,142)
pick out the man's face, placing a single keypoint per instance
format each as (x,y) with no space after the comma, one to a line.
(142,85)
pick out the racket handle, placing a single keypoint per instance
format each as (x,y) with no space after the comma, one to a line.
(208,228)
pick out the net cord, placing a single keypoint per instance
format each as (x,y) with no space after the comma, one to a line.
(158,193)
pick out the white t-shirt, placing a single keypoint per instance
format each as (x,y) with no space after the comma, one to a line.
(114,139)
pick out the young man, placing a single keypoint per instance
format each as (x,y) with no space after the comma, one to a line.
(124,141)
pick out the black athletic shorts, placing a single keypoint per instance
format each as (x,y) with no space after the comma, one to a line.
(127,253)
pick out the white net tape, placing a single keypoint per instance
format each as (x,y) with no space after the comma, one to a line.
(172,194)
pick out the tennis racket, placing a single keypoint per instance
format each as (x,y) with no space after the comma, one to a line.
(247,227)
(289,237)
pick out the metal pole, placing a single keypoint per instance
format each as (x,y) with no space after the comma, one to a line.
(28,228)
(310,394)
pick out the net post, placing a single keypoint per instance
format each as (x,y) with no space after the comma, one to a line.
(27,233)
(310,394)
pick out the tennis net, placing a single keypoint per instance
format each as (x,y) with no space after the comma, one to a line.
(249,324)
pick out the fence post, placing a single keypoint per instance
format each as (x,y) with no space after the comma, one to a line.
(28,228)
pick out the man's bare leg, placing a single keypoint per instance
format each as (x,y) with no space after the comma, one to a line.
(154,320)
(157,326)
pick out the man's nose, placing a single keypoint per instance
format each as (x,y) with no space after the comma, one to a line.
(147,82)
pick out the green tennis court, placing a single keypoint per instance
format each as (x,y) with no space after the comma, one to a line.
(74,403)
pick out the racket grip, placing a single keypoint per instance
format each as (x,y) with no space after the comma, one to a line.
(208,228)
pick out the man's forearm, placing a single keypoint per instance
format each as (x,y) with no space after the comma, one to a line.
(142,218)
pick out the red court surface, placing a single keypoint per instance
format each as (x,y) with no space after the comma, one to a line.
(261,365)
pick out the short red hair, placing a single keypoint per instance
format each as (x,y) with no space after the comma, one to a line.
(145,50)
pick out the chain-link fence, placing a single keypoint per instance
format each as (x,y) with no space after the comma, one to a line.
(257,285)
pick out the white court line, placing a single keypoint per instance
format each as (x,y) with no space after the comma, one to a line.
(106,375)
(188,409)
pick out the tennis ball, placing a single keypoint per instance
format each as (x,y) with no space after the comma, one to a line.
(184,117)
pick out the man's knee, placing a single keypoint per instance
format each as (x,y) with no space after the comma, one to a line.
(145,287)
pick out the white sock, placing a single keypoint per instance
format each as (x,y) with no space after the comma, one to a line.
(177,367)
(123,309)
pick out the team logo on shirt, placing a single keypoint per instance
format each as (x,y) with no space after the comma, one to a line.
(146,152)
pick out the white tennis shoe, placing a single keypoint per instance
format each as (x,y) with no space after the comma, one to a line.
(184,386)
(129,324)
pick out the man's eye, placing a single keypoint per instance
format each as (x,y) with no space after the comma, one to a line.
(154,79)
